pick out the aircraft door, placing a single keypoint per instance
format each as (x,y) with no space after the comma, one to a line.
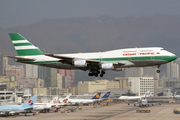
(137,51)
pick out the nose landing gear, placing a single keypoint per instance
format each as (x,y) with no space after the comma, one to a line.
(158,71)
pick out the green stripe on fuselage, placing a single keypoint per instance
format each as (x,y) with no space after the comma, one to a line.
(22,44)
(164,58)
(160,58)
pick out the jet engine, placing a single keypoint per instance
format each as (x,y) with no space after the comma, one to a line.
(107,66)
(80,63)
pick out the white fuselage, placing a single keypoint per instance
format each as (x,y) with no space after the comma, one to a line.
(130,97)
(82,101)
(121,58)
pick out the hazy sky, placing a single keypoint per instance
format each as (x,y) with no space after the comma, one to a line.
(23,12)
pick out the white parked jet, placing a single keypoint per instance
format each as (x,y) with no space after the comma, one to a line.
(45,106)
(78,101)
(134,97)
(96,62)
(63,101)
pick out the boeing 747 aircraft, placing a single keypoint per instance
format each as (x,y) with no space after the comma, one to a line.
(26,107)
(94,99)
(95,62)
(134,97)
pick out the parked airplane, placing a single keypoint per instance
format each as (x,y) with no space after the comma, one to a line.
(176,95)
(63,101)
(135,97)
(94,99)
(144,103)
(25,108)
(45,107)
(96,62)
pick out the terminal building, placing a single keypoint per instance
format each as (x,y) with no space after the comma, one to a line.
(138,85)
(93,86)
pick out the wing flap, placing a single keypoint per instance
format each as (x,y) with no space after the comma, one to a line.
(69,60)
(21,59)
(66,59)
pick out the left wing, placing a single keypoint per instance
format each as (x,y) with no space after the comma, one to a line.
(69,60)
(81,62)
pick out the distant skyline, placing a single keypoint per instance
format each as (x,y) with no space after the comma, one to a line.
(15,13)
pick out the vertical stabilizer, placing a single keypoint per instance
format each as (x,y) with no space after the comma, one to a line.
(106,95)
(22,46)
(97,96)
(146,94)
(30,102)
(54,101)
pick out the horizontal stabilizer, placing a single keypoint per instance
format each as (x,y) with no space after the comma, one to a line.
(21,59)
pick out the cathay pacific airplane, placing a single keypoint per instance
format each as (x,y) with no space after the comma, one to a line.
(95,62)
(25,108)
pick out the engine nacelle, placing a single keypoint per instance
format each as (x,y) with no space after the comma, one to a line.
(107,66)
(80,63)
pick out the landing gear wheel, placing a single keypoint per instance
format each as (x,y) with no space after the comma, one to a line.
(158,71)
(90,74)
(101,75)
(102,72)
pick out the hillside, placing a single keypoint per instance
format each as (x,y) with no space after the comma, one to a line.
(99,34)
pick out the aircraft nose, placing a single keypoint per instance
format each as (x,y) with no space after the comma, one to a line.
(171,57)
(174,57)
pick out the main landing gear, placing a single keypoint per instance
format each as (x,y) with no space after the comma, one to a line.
(158,71)
(96,73)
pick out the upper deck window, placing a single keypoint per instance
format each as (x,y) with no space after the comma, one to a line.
(128,51)
(146,50)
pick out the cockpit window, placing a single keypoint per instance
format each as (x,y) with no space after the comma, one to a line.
(162,49)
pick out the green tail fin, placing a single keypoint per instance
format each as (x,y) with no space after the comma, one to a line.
(23,47)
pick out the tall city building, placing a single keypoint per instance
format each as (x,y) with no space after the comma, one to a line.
(172,70)
(42,72)
(133,72)
(1,64)
(50,77)
(59,80)
(5,64)
(142,72)
(150,72)
(68,73)
(66,81)
(15,70)
(31,71)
